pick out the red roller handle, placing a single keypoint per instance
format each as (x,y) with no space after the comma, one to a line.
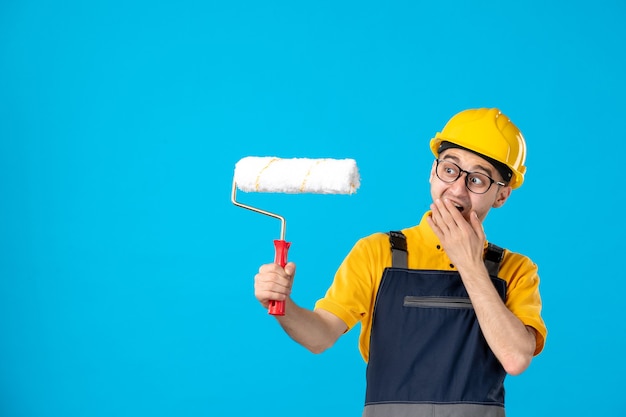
(277,308)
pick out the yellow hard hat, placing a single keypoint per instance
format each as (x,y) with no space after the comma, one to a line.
(489,133)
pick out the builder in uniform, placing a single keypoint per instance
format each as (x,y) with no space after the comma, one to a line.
(444,314)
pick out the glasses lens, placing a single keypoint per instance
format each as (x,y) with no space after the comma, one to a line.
(448,171)
(478,183)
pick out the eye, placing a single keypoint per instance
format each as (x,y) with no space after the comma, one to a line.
(477,179)
(478,182)
(450,170)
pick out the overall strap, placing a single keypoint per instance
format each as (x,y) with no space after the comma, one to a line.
(399,253)
(493,257)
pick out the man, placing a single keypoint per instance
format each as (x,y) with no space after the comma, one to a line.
(444,314)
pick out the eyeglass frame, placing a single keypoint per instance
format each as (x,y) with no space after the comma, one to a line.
(461,171)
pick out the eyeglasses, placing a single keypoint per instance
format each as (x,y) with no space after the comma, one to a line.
(476,182)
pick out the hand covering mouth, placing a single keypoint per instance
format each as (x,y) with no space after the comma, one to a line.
(457,205)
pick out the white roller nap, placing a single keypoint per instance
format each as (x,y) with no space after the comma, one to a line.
(297,175)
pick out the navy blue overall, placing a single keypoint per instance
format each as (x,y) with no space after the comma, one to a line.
(428,356)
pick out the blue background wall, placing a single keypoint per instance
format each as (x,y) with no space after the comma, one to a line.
(125,271)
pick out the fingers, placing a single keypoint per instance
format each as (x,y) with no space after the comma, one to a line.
(445,215)
(450,225)
(477,226)
(448,212)
(273,282)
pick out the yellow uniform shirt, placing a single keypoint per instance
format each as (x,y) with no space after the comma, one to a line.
(353,292)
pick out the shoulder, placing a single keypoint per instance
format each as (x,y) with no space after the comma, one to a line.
(518,269)
(372,243)
(517,261)
(381,240)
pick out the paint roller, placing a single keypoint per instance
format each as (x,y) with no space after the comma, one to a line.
(292,176)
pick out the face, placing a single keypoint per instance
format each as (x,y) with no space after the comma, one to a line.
(465,200)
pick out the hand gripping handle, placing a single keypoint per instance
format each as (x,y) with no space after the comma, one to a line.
(277,308)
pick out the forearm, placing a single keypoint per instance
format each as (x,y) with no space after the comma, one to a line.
(316,330)
(509,339)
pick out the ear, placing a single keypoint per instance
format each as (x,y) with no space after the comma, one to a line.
(503,194)
(432,171)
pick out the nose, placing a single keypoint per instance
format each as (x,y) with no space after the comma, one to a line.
(459,186)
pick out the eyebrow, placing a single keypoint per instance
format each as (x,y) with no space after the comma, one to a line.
(487,169)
